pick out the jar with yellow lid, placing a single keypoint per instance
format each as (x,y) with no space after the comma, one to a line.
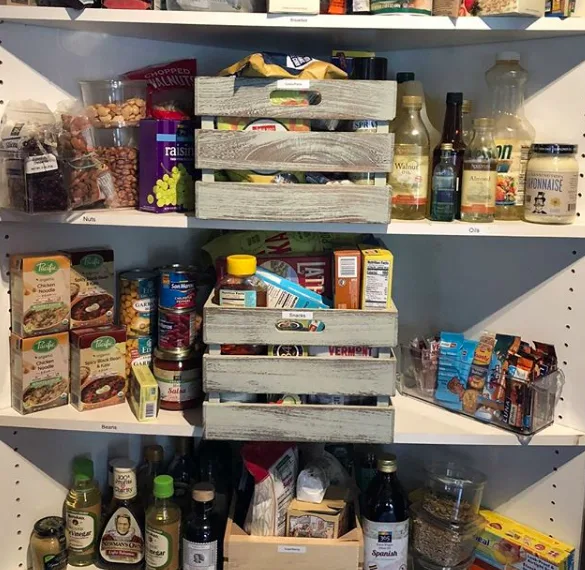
(551,184)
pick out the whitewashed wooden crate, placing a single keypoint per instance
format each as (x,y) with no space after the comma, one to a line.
(298,151)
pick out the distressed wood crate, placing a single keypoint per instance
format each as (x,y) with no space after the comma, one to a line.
(244,552)
(298,151)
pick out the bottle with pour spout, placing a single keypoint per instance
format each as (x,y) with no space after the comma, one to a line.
(512,132)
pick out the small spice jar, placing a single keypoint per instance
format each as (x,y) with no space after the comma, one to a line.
(179,378)
(48,545)
(551,184)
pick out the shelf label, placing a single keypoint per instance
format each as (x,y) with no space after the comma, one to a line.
(476,230)
(109,427)
(302,315)
(293,84)
(298,20)
(89,219)
(282,549)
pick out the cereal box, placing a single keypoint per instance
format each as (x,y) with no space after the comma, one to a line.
(347,274)
(507,545)
(93,287)
(98,367)
(40,372)
(377,269)
(39,294)
(143,394)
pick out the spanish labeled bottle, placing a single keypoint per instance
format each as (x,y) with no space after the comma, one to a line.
(453,133)
(163,527)
(202,532)
(151,468)
(443,186)
(385,519)
(183,470)
(409,176)
(478,200)
(513,133)
(121,544)
(83,511)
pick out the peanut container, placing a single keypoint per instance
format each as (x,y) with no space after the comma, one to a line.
(39,294)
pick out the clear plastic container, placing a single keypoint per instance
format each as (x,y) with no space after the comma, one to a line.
(421,563)
(113,103)
(453,493)
(440,542)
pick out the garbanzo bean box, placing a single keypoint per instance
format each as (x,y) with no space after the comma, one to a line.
(98,367)
(40,372)
(39,294)
(93,285)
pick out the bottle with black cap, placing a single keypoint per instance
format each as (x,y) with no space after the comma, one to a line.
(453,133)
(385,519)
(371,68)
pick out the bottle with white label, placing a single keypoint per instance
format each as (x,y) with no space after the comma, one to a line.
(121,542)
(201,535)
(163,527)
(83,507)
(410,173)
(385,519)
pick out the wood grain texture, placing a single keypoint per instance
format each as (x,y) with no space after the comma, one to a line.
(274,151)
(352,203)
(271,422)
(299,375)
(250,97)
(225,325)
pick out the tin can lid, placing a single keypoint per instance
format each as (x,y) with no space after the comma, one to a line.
(178,268)
(177,311)
(134,274)
(185,354)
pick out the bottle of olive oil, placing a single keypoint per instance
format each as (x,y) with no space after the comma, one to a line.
(83,507)
(163,527)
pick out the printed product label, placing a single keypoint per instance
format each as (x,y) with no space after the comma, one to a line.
(401,7)
(443,203)
(479,187)
(385,545)
(199,555)
(81,531)
(377,280)
(55,561)
(41,163)
(511,168)
(178,386)
(122,541)
(144,305)
(235,298)
(409,177)
(551,194)
(159,547)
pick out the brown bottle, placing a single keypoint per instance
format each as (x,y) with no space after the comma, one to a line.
(453,133)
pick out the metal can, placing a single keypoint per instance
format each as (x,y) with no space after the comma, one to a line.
(177,287)
(138,302)
(178,330)
(138,351)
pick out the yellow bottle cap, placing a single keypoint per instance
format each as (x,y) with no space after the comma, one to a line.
(241,265)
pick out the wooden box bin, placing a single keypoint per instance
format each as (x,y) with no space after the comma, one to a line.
(282,150)
(245,552)
(337,375)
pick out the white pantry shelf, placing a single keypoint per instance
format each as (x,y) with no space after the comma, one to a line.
(241,30)
(134,218)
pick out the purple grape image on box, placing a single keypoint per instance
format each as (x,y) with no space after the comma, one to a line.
(167,166)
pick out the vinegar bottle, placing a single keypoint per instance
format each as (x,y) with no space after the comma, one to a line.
(513,133)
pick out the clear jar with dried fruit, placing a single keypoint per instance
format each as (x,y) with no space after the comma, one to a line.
(118,150)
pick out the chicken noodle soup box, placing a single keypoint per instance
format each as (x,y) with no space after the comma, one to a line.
(40,372)
(39,294)
(98,367)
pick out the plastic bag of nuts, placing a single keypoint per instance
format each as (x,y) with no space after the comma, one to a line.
(88,181)
(76,136)
(117,150)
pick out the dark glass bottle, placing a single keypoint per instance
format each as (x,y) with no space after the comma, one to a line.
(453,133)
(183,469)
(201,534)
(385,519)
(152,466)
(121,542)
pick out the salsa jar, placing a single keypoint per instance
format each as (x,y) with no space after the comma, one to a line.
(178,329)
(179,378)
(177,287)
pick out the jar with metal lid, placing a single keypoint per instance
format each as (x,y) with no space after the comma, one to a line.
(551,184)
(48,545)
(179,378)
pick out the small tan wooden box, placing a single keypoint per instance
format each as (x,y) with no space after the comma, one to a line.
(274,151)
(245,552)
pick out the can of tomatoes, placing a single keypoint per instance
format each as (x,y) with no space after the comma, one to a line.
(178,329)
(178,287)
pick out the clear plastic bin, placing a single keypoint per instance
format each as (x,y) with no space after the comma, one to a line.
(113,103)
(421,563)
(515,404)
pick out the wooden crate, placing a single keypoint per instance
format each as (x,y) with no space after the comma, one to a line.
(245,552)
(301,151)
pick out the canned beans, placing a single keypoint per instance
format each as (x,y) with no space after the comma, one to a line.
(138,351)
(138,302)
(178,329)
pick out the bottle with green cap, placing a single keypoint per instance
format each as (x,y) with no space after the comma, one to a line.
(83,508)
(163,527)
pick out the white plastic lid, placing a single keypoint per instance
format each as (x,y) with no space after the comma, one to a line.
(508,56)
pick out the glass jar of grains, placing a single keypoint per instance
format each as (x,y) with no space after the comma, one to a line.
(48,546)
(551,184)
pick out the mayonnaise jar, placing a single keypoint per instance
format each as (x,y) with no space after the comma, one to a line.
(551,184)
